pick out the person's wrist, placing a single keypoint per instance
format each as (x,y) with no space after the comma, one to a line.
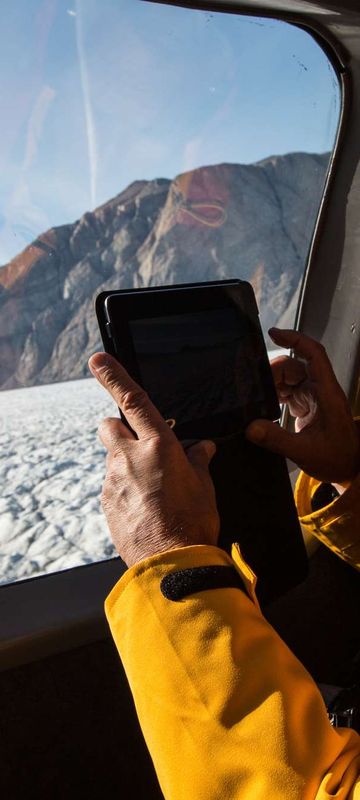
(342,487)
(132,554)
(144,547)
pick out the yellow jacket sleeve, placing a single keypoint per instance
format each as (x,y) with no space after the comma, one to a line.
(227,711)
(337,525)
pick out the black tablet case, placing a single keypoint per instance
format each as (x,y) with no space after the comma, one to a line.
(255,502)
(256,507)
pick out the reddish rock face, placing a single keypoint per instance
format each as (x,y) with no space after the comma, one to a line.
(253,222)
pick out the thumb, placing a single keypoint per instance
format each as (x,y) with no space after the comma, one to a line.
(200,454)
(271,436)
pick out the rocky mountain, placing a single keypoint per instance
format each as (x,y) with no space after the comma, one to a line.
(253,222)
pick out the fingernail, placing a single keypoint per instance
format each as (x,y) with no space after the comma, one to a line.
(99,361)
(255,432)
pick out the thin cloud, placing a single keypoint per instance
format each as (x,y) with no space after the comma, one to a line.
(192,153)
(36,124)
(22,218)
(88,112)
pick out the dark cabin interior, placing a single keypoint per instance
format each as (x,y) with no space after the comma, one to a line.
(68,727)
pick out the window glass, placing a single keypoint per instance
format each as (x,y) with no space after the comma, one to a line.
(140,145)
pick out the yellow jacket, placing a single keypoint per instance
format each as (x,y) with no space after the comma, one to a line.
(227,711)
(338,524)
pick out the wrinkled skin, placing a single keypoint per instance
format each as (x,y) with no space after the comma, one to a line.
(158,497)
(326,444)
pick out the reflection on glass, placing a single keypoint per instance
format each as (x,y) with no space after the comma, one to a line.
(342,719)
(140,145)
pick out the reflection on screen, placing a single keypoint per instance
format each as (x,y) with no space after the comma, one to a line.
(201,364)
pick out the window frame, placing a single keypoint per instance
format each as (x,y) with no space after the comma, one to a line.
(52,613)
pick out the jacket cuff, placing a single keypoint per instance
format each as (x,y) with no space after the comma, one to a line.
(197,568)
(337,524)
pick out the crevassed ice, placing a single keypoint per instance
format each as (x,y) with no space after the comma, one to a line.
(52,467)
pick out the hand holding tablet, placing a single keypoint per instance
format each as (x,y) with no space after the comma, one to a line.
(199,353)
(197,350)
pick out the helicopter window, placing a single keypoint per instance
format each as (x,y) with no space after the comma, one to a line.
(141,145)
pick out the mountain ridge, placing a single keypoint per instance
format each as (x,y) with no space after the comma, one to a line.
(219,221)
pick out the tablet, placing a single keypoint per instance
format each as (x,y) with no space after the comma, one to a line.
(199,352)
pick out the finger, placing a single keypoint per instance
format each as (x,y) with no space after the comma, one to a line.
(287,372)
(303,406)
(132,400)
(111,431)
(200,454)
(304,347)
(318,365)
(187,443)
(269,435)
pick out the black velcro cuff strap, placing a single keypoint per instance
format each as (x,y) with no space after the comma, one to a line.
(183,582)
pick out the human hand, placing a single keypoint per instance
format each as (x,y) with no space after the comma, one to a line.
(326,444)
(155,497)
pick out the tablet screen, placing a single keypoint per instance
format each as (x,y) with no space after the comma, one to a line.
(202,365)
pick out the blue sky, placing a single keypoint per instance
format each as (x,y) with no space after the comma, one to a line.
(97,93)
